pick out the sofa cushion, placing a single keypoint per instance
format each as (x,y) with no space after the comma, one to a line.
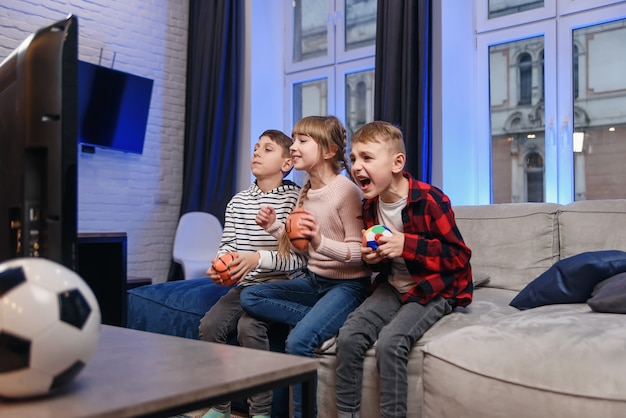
(609,295)
(571,280)
(512,243)
(592,225)
(480,278)
(552,361)
(488,304)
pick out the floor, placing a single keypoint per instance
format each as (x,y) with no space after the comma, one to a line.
(200,412)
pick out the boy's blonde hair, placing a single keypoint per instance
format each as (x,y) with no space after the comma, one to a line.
(382,132)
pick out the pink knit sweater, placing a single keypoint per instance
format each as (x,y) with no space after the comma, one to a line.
(337,207)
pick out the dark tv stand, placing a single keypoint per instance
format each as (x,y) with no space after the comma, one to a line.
(101,262)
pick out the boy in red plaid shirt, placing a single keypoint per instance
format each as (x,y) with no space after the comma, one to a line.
(424,270)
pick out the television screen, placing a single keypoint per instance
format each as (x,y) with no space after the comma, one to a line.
(38,138)
(112,108)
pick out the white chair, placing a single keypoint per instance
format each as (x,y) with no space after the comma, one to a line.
(196,243)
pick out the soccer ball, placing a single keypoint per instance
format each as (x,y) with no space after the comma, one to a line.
(371,235)
(222,268)
(49,326)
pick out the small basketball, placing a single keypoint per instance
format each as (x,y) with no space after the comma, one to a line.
(371,235)
(221,266)
(294,230)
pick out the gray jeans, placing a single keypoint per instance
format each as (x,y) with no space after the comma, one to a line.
(221,321)
(396,326)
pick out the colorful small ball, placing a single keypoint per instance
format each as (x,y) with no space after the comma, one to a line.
(294,231)
(221,265)
(371,235)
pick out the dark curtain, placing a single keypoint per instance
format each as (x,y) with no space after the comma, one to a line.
(214,61)
(403,77)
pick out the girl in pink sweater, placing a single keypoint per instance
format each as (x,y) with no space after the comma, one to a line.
(337,281)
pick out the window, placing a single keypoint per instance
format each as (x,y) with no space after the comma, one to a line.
(329,67)
(564,136)
(525,79)
(499,8)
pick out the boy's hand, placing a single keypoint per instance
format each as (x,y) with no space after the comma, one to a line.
(244,264)
(266,217)
(390,247)
(214,276)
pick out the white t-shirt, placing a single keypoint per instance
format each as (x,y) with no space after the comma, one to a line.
(390,214)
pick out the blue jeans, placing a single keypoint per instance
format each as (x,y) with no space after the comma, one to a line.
(397,326)
(315,306)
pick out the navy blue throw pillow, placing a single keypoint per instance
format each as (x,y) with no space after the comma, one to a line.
(572,279)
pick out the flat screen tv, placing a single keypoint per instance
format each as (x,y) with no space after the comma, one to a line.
(38,145)
(113,108)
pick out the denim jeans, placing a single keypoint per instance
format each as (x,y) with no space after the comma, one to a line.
(220,322)
(314,306)
(396,326)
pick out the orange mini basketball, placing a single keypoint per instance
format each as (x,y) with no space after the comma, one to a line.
(221,266)
(295,231)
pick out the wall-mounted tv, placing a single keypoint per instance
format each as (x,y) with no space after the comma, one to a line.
(113,108)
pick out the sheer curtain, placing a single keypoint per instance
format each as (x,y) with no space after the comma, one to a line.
(403,79)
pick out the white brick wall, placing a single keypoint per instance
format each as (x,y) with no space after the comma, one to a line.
(119,192)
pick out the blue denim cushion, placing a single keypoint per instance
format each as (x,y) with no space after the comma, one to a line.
(172,308)
(572,279)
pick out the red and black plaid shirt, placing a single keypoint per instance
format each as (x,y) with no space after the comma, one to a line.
(434,251)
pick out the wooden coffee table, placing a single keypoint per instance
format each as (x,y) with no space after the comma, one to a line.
(141,374)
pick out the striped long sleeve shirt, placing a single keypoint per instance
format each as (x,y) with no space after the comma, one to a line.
(242,234)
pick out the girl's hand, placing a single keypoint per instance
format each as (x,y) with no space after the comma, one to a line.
(390,247)
(244,264)
(266,217)
(311,229)
(370,256)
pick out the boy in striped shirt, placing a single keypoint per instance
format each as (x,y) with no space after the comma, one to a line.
(258,260)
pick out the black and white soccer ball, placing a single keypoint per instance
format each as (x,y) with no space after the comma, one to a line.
(49,326)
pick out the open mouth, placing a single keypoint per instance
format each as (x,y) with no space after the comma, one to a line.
(364,182)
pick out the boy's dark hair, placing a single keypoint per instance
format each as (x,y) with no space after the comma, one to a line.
(280,138)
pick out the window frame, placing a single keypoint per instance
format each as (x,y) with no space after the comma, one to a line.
(484,24)
(341,71)
(547,29)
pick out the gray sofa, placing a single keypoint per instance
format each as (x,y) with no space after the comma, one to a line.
(493,360)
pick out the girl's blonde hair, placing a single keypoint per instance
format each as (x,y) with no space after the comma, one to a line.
(326,131)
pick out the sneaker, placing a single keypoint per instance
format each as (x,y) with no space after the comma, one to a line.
(213,413)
